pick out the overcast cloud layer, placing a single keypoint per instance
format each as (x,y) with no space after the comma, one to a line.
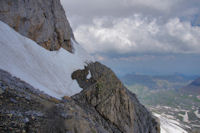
(126,28)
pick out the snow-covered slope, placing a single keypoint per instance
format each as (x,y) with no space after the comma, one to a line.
(169,126)
(45,70)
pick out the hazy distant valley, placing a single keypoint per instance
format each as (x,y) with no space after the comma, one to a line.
(175,97)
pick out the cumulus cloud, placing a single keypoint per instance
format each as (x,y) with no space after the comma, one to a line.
(132,26)
(139,34)
(151,36)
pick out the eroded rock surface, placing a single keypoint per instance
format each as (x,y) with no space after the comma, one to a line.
(108,96)
(43,21)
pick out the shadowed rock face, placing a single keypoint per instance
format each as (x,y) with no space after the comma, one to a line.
(43,21)
(113,101)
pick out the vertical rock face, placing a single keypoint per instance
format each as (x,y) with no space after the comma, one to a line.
(113,101)
(43,21)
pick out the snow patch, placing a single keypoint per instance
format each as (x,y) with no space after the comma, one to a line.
(197,114)
(89,75)
(49,71)
(168,125)
(185,116)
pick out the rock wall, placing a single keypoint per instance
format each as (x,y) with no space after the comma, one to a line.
(43,21)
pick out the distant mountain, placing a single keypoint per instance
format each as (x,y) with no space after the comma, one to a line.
(174,81)
(196,83)
(193,87)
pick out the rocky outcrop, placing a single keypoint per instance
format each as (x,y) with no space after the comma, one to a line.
(108,96)
(25,109)
(43,21)
(104,106)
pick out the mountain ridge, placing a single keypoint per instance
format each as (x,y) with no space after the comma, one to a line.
(157,82)
(193,87)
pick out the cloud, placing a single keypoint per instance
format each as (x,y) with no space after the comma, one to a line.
(132,26)
(139,34)
(160,5)
(150,36)
(81,12)
(105,7)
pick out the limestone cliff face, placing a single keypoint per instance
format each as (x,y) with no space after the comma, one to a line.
(43,21)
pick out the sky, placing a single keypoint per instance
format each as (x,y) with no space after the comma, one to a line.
(146,36)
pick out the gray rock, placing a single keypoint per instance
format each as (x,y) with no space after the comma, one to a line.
(1,91)
(34,113)
(13,100)
(43,21)
(26,120)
